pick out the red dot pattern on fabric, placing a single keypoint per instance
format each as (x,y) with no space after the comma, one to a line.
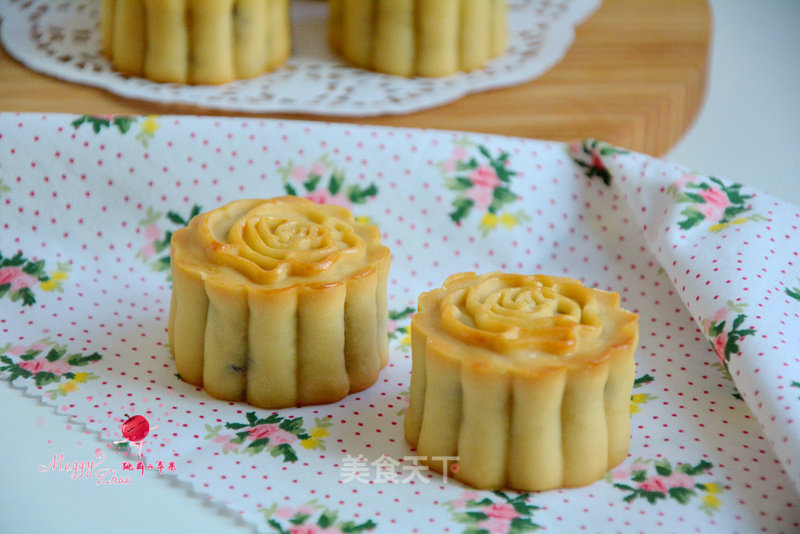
(102,212)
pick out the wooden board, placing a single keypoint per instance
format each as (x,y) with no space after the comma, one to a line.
(635,77)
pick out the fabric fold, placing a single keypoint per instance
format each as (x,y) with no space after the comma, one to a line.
(732,254)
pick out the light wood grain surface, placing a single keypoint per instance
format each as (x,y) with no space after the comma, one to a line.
(635,77)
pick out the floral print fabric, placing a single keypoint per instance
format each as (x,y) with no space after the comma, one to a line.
(710,266)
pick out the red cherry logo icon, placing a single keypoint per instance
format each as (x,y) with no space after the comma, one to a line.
(135,428)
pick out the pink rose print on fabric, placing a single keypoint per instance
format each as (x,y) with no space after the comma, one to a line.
(655,483)
(155,250)
(715,203)
(496,525)
(44,363)
(501,510)
(458,155)
(41,365)
(312,518)
(323,196)
(719,343)
(299,173)
(323,183)
(397,331)
(485,176)
(481,197)
(465,497)
(227,444)
(19,277)
(16,278)
(588,154)
(273,434)
(482,183)
(21,349)
(712,201)
(683,483)
(725,330)
(495,512)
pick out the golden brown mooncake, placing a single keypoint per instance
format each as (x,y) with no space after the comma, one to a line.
(525,378)
(279,302)
(418,37)
(195,41)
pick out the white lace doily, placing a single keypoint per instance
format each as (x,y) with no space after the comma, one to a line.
(60,38)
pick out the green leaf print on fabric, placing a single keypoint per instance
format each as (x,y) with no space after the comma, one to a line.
(794,292)
(588,155)
(657,480)
(324,183)
(312,518)
(637,399)
(19,277)
(711,200)
(273,434)
(482,183)
(45,363)
(3,188)
(493,512)
(148,125)
(398,331)
(724,330)
(155,251)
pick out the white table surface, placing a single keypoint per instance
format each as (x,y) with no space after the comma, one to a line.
(748,131)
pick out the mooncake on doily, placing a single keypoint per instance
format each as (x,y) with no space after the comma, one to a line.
(525,379)
(418,37)
(279,302)
(195,41)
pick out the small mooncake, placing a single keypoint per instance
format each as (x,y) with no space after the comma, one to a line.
(279,302)
(526,379)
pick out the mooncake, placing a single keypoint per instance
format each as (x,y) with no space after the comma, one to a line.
(525,379)
(279,302)
(195,41)
(418,37)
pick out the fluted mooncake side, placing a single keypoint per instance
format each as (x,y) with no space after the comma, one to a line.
(418,37)
(195,41)
(525,378)
(279,302)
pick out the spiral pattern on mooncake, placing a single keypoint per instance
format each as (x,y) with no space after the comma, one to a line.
(279,302)
(525,378)
(274,241)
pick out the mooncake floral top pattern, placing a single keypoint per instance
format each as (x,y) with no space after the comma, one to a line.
(269,241)
(509,312)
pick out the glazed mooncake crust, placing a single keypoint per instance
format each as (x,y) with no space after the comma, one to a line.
(525,378)
(418,37)
(279,302)
(195,41)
